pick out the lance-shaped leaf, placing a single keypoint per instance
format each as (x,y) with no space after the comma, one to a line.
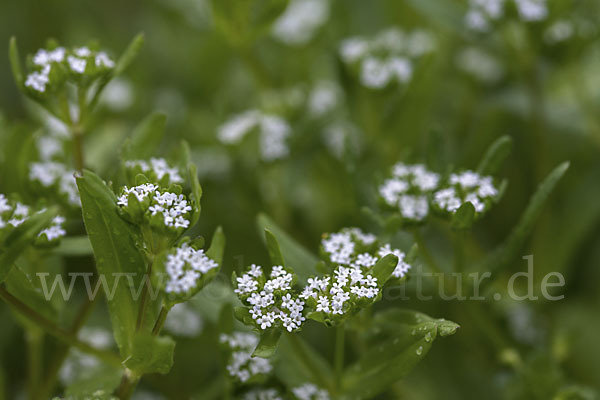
(74,246)
(129,54)
(21,237)
(267,345)
(118,259)
(495,156)
(392,358)
(303,261)
(217,246)
(146,137)
(15,62)
(509,250)
(151,354)
(384,268)
(196,194)
(274,249)
(464,217)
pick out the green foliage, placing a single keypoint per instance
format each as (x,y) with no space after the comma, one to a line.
(116,252)
(151,354)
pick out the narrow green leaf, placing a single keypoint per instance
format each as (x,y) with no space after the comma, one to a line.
(509,250)
(273,249)
(393,357)
(146,137)
(302,260)
(15,62)
(464,217)
(118,260)
(217,246)
(384,268)
(74,246)
(21,237)
(151,354)
(19,285)
(495,156)
(129,54)
(196,192)
(267,345)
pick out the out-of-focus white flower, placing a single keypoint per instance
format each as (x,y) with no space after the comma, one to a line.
(309,391)
(482,13)
(479,64)
(56,230)
(407,190)
(156,169)
(118,95)
(559,32)
(14,213)
(532,10)
(467,186)
(273,131)
(387,57)
(300,21)
(242,366)
(184,321)
(55,174)
(323,98)
(262,394)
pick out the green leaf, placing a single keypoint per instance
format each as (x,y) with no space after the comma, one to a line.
(15,62)
(74,246)
(129,54)
(196,193)
(114,245)
(509,250)
(21,237)
(495,156)
(19,285)
(267,345)
(273,249)
(146,137)
(384,268)
(217,246)
(390,358)
(151,354)
(95,383)
(302,260)
(464,217)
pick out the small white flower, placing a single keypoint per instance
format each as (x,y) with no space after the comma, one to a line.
(76,64)
(185,267)
(300,21)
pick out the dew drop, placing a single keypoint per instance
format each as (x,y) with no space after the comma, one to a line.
(428,337)
(413,332)
(419,350)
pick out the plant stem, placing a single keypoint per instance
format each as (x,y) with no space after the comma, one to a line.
(35,340)
(425,252)
(160,321)
(128,383)
(338,361)
(60,334)
(144,300)
(49,382)
(78,147)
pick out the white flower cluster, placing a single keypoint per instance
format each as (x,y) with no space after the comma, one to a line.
(173,208)
(309,391)
(185,267)
(408,189)
(184,321)
(300,21)
(242,365)
(323,98)
(338,294)
(263,394)
(358,250)
(55,174)
(273,132)
(271,301)
(482,13)
(156,169)
(387,57)
(467,186)
(13,214)
(479,64)
(75,61)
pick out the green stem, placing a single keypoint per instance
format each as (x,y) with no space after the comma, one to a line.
(144,299)
(78,147)
(424,250)
(128,383)
(160,321)
(35,340)
(299,351)
(60,334)
(49,382)
(338,361)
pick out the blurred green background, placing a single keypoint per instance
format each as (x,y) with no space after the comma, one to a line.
(545,96)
